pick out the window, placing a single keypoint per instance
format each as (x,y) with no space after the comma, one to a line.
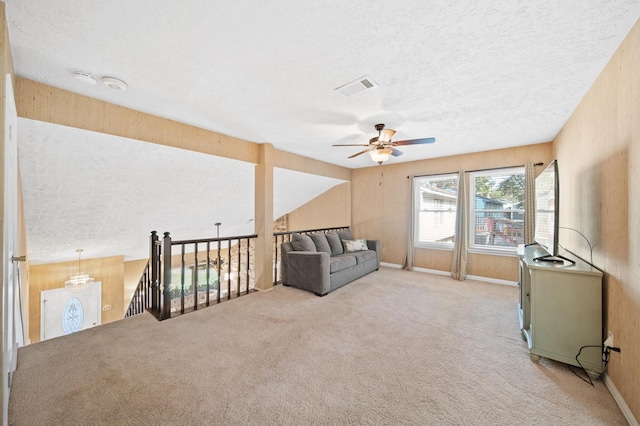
(435,215)
(496,209)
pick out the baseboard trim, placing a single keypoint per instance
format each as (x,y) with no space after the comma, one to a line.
(448,274)
(432,271)
(493,280)
(620,401)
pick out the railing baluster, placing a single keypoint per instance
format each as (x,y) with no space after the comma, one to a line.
(182,281)
(208,272)
(138,302)
(194,278)
(248,266)
(219,277)
(238,290)
(228,269)
(275,260)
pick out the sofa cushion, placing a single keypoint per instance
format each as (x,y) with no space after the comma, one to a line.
(320,242)
(345,234)
(302,243)
(351,246)
(341,262)
(334,242)
(363,256)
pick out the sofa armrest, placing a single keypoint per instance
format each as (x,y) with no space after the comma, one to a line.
(375,245)
(307,270)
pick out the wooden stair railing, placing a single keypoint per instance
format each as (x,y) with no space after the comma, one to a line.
(202,272)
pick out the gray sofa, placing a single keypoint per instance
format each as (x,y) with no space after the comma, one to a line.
(322,262)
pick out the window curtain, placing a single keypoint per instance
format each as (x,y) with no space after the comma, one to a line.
(459,262)
(529,203)
(408,260)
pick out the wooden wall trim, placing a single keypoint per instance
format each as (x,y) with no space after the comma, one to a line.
(41,102)
(287,160)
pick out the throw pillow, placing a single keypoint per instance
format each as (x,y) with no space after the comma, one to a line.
(354,245)
(320,242)
(302,243)
(345,234)
(334,242)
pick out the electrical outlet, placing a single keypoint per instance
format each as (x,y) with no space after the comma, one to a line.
(609,341)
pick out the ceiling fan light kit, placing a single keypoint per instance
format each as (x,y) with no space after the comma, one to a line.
(381,148)
(380,155)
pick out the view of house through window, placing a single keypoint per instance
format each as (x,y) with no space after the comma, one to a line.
(496,209)
(435,216)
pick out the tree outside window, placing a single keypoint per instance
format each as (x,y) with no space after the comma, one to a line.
(497,209)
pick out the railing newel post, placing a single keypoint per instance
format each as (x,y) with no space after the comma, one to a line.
(155,291)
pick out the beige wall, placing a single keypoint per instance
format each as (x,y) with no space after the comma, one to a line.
(328,210)
(108,270)
(598,153)
(381,206)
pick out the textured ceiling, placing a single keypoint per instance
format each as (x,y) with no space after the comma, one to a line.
(476,75)
(105,194)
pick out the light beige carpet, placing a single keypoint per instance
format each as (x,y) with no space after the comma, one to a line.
(394,347)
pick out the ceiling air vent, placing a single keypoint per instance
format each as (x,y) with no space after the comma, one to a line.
(363,83)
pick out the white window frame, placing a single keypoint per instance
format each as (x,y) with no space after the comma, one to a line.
(417,203)
(484,249)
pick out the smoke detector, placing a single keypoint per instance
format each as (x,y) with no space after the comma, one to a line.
(363,83)
(114,83)
(84,77)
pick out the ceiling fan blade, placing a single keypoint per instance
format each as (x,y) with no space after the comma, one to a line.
(415,141)
(396,152)
(359,153)
(386,135)
(352,144)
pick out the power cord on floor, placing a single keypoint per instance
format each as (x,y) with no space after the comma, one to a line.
(581,367)
(605,359)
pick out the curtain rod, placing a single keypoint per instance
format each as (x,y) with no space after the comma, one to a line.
(477,170)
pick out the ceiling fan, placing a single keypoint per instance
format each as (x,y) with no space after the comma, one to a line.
(380,148)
